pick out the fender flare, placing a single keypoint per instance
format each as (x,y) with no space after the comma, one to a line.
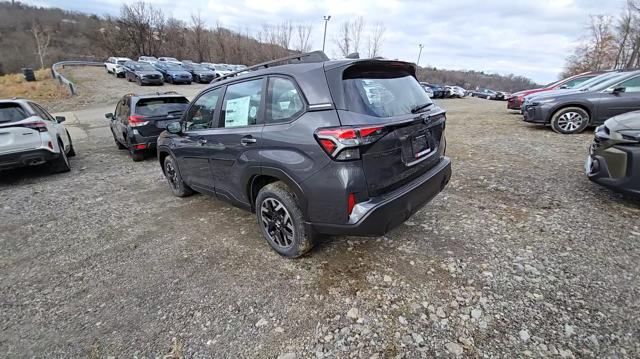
(281,176)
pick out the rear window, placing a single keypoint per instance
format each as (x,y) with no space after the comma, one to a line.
(383,93)
(11,112)
(159,106)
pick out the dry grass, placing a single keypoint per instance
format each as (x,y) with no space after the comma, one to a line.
(44,89)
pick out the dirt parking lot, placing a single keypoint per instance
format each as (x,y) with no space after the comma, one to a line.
(521,256)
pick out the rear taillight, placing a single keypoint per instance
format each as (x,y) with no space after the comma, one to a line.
(137,120)
(342,143)
(37,125)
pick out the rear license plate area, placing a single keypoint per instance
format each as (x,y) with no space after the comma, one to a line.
(420,146)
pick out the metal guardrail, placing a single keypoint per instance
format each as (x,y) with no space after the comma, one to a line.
(63,80)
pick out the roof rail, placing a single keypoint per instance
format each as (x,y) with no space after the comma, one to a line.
(314,56)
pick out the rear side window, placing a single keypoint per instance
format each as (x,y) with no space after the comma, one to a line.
(285,103)
(382,92)
(11,112)
(159,106)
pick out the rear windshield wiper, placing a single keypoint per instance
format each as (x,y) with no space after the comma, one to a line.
(419,108)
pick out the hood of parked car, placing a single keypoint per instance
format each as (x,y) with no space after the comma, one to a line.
(549,94)
(529,92)
(626,121)
(204,72)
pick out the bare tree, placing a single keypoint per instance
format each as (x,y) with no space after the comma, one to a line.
(343,39)
(375,40)
(200,40)
(42,38)
(303,32)
(284,34)
(355,33)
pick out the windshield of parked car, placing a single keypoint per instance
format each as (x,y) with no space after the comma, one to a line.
(11,112)
(222,68)
(143,67)
(383,94)
(159,106)
(169,59)
(122,62)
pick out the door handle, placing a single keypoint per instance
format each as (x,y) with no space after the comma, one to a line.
(202,141)
(248,140)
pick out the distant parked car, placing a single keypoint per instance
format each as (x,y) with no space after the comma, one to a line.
(438,91)
(427,89)
(139,119)
(174,73)
(220,69)
(148,59)
(488,94)
(457,91)
(199,73)
(614,155)
(172,60)
(585,86)
(573,112)
(115,65)
(142,73)
(30,136)
(514,102)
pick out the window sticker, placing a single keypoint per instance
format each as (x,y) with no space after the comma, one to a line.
(237,112)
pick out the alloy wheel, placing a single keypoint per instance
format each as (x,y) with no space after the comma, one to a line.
(570,121)
(277,222)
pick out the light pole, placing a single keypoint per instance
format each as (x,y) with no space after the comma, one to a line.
(419,53)
(324,37)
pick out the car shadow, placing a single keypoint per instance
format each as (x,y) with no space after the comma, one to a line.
(16,175)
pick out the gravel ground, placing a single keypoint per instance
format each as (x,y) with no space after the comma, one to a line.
(521,256)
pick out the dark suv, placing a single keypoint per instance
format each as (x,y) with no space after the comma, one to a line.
(350,147)
(139,119)
(142,73)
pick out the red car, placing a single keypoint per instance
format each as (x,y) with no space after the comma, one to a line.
(515,101)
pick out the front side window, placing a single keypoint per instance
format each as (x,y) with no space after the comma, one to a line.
(241,104)
(631,85)
(285,103)
(202,113)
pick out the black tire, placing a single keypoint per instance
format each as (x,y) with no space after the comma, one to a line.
(188,82)
(128,78)
(174,178)
(570,120)
(60,164)
(136,155)
(139,81)
(72,151)
(170,80)
(284,230)
(196,78)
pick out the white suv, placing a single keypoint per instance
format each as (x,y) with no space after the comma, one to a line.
(30,136)
(114,65)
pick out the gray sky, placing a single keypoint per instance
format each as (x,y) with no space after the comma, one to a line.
(530,38)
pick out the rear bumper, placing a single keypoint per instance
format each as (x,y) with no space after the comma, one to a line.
(148,141)
(26,158)
(513,103)
(382,214)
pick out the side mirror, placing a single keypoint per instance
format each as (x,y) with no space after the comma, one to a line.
(618,90)
(564,87)
(60,119)
(174,128)
(109,116)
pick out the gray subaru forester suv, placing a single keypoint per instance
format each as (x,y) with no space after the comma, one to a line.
(312,146)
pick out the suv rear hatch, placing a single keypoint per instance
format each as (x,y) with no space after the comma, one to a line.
(152,115)
(18,130)
(406,128)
